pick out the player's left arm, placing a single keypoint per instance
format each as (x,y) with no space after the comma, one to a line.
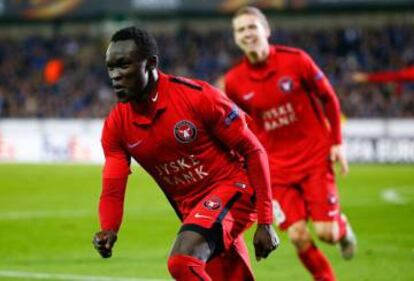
(228,123)
(257,164)
(325,92)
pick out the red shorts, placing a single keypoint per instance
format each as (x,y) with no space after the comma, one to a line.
(229,210)
(311,195)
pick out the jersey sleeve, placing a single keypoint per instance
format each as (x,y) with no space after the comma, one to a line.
(117,160)
(114,179)
(320,85)
(111,203)
(222,116)
(227,122)
(403,75)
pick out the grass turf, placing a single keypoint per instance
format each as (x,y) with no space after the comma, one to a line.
(48,216)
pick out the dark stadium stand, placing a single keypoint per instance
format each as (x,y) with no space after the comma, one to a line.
(81,90)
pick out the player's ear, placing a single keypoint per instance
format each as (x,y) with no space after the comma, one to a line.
(152,63)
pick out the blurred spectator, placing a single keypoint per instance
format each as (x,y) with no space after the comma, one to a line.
(77,87)
(53,71)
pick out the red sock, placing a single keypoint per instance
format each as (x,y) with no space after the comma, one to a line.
(317,264)
(187,268)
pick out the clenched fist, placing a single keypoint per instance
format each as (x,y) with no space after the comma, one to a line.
(265,241)
(104,241)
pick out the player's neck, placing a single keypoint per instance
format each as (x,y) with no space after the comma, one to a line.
(149,89)
(260,56)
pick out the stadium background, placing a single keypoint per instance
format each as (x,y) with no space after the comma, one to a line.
(54,93)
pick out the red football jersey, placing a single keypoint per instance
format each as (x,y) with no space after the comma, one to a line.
(295,111)
(182,138)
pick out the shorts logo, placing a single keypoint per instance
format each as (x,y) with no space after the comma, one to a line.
(285,84)
(185,131)
(201,216)
(332,200)
(213,203)
(240,185)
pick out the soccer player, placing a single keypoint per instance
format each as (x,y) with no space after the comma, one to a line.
(184,133)
(402,75)
(296,116)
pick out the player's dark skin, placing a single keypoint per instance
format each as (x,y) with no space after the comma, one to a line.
(133,80)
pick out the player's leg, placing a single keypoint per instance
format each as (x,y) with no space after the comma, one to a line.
(207,234)
(299,235)
(237,215)
(235,258)
(188,257)
(330,225)
(347,244)
(338,232)
(291,215)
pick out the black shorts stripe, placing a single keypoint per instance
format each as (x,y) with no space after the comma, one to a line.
(228,206)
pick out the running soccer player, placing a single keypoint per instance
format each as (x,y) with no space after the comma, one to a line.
(296,116)
(182,132)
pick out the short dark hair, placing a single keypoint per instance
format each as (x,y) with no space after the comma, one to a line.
(145,42)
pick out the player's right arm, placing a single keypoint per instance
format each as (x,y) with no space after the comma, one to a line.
(114,181)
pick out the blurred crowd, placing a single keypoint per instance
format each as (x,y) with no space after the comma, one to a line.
(65,77)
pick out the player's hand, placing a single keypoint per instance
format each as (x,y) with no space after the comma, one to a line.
(337,154)
(103,242)
(265,241)
(359,77)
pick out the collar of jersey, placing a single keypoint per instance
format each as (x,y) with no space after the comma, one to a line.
(146,114)
(265,69)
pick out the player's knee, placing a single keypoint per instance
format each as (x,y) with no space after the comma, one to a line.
(183,267)
(176,266)
(325,234)
(300,237)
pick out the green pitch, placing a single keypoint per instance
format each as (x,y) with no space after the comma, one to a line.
(48,217)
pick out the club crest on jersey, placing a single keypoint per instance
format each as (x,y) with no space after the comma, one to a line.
(185,131)
(213,203)
(285,84)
